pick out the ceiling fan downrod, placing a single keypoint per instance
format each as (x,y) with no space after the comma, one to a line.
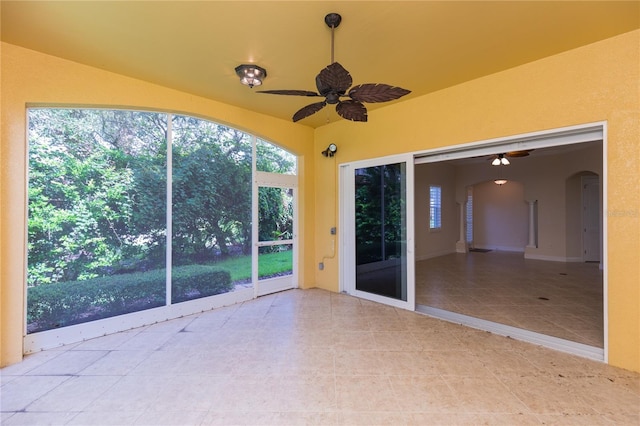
(333,21)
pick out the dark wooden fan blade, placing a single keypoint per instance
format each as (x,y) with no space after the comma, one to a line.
(352,110)
(334,78)
(516,154)
(377,92)
(289,92)
(308,110)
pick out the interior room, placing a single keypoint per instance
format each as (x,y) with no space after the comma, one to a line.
(498,272)
(198,201)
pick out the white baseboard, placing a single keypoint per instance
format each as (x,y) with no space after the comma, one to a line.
(552,258)
(500,248)
(436,254)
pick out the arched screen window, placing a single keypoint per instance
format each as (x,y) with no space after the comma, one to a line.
(132,210)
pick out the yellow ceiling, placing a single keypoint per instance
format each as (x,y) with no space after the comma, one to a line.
(423,46)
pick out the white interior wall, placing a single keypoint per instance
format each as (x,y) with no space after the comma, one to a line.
(500,216)
(544,178)
(433,243)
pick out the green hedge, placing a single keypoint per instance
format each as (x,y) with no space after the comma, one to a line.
(66,303)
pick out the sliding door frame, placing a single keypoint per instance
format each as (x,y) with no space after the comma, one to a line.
(347,279)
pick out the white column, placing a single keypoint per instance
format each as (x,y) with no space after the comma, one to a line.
(532,227)
(461,244)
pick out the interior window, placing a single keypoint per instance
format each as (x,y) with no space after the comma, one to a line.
(435,207)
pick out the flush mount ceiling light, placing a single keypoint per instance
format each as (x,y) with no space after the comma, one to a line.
(500,160)
(500,182)
(250,74)
(330,151)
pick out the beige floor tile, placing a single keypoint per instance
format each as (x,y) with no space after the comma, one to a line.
(177,418)
(110,418)
(74,394)
(308,365)
(18,394)
(39,419)
(365,393)
(374,418)
(345,340)
(559,299)
(70,362)
(485,395)
(425,394)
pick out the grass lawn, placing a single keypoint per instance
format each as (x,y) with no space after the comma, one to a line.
(269,264)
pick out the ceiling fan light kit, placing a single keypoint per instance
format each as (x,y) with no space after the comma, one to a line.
(500,160)
(333,83)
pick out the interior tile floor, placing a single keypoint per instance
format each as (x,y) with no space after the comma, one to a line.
(559,299)
(313,357)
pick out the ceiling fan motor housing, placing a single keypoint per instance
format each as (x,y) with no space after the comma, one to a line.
(333,20)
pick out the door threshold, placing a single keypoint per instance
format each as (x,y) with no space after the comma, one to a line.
(563,345)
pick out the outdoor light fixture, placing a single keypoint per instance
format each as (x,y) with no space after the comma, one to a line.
(500,182)
(500,160)
(251,75)
(330,151)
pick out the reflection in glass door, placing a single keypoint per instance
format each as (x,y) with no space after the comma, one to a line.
(378,234)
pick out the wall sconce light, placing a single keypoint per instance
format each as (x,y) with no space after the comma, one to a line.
(330,151)
(500,160)
(251,75)
(500,182)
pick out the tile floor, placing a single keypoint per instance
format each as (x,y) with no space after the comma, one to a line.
(313,357)
(555,298)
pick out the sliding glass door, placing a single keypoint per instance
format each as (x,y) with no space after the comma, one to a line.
(378,237)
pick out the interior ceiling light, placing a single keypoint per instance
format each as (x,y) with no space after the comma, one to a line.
(250,74)
(500,182)
(333,83)
(500,160)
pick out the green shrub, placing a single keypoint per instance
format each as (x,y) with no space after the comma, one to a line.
(195,281)
(66,303)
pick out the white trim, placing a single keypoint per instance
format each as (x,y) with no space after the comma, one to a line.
(273,285)
(535,140)
(274,243)
(509,249)
(553,258)
(588,132)
(168,240)
(436,254)
(347,272)
(556,343)
(605,244)
(273,180)
(276,180)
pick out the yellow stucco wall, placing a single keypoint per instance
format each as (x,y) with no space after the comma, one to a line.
(29,77)
(594,83)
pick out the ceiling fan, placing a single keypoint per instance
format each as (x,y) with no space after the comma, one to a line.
(334,81)
(501,159)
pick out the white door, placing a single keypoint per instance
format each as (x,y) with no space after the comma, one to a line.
(274,233)
(590,219)
(378,238)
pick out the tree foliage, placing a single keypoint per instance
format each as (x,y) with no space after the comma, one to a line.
(98,192)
